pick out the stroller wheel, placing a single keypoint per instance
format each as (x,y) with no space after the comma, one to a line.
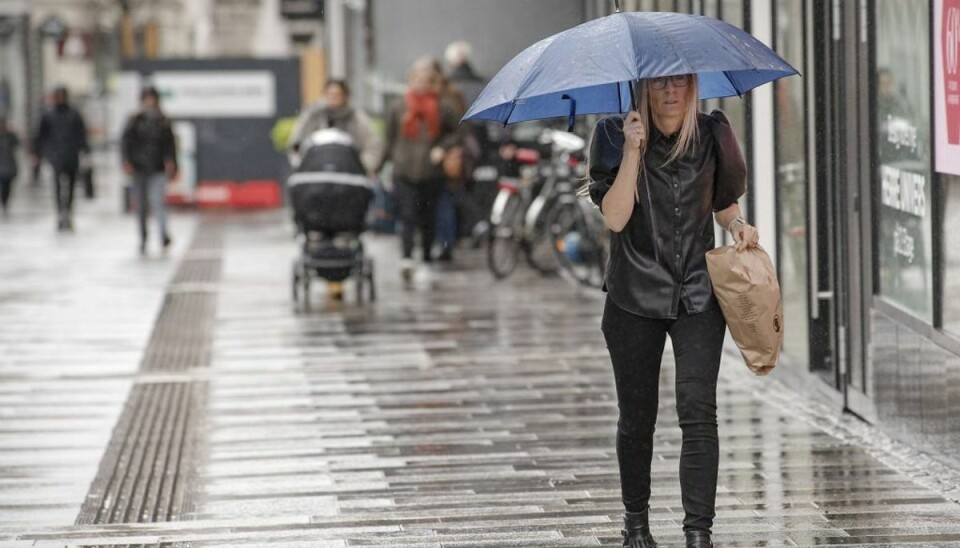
(370,281)
(295,283)
(306,289)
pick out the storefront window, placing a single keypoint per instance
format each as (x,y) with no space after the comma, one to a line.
(903,178)
(951,254)
(792,181)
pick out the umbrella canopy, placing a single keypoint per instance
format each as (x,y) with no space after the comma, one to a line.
(589,69)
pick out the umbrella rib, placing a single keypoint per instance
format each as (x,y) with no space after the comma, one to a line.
(726,38)
(633,48)
(736,88)
(526,77)
(513,105)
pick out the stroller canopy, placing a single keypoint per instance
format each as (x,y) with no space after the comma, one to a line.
(330,157)
(329,190)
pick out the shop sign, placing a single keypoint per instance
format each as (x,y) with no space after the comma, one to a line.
(301,9)
(904,184)
(217,94)
(947,85)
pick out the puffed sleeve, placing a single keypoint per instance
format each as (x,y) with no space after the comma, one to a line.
(730,181)
(606,152)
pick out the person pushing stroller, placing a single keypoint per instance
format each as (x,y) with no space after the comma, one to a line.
(330,194)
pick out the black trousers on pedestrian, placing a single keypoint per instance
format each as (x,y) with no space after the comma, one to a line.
(636,346)
(417,209)
(6,185)
(64,181)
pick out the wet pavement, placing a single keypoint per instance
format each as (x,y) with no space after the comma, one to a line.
(184,401)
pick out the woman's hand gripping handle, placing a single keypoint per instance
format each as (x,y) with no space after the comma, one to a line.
(618,204)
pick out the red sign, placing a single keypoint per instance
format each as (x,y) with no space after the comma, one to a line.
(950,41)
(239,195)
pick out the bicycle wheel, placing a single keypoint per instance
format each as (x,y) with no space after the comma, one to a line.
(577,248)
(503,248)
(539,245)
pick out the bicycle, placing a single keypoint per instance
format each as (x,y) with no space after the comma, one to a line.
(580,240)
(522,208)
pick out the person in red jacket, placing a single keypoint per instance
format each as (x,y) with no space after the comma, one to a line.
(416,125)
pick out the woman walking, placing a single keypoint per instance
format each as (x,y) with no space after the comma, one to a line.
(658,176)
(415,127)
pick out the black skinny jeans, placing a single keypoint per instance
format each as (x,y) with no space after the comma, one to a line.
(417,208)
(636,345)
(64,182)
(6,185)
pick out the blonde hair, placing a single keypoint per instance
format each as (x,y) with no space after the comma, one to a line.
(686,140)
(689,131)
(429,67)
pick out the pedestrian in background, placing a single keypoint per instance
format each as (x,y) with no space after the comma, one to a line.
(457,209)
(149,155)
(658,176)
(463,150)
(37,168)
(453,188)
(61,138)
(8,163)
(481,145)
(415,126)
(450,93)
(460,71)
(335,111)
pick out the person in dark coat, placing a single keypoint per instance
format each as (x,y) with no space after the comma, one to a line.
(8,163)
(460,71)
(150,159)
(60,139)
(335,111)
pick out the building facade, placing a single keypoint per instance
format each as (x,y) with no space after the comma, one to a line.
(15,64)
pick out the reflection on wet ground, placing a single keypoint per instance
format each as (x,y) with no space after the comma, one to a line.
(466,413)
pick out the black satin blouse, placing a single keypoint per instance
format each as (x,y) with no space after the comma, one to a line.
(659,258)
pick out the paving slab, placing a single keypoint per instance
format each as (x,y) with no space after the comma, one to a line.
(459,412)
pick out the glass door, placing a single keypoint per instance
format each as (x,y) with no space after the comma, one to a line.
(792,184)
(806,150)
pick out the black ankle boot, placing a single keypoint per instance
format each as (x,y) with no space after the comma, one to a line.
(698,539)
(636,530)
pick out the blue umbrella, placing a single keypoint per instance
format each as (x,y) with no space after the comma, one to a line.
(590,68)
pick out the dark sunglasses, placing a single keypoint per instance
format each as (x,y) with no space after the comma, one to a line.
(678,80)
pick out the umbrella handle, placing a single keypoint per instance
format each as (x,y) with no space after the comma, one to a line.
(571,118)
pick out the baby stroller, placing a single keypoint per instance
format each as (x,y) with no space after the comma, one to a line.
(330,195)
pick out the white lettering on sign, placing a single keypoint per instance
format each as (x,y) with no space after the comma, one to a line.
(953,39)
(903,242)
(903,190)
(901,133)
(217,94)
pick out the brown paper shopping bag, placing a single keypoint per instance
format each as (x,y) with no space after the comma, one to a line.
(746,286)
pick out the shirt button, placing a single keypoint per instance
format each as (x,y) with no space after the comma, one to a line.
(676,210)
